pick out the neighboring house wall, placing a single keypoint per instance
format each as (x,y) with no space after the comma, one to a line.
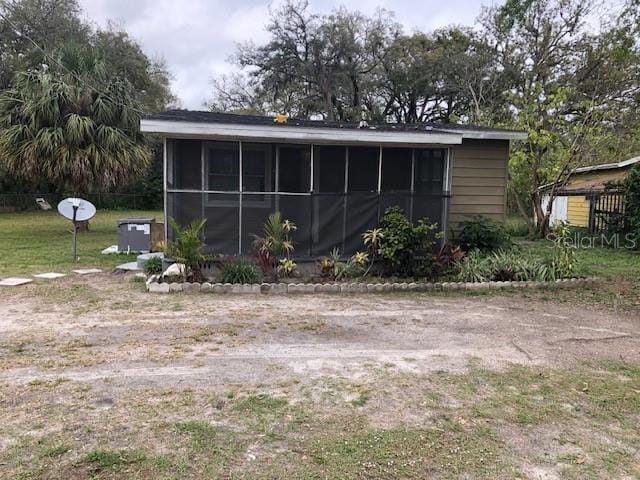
(594,180)
(479,180)
(578,210)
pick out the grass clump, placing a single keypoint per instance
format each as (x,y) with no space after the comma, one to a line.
(241,271)
(114,460)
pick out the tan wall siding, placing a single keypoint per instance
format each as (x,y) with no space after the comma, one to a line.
(478,180)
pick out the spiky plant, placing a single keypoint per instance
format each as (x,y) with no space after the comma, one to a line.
(77,128)
(277,241)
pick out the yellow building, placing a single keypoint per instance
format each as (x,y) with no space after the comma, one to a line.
(583,195)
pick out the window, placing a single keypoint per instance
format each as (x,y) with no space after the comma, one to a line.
(328,169)
(429,170)
(223,160)
(294,168)
(258,167)
(363,169)
(396,169)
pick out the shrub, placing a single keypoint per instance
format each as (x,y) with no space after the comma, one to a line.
(401,241)
(286,267)
(187,247)
(505,266)
(336,269)
(564,252)
(241,271)
(153,266)
(276,242)
(483,234)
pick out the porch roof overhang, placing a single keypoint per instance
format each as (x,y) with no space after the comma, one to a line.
(301,134)
(215,125)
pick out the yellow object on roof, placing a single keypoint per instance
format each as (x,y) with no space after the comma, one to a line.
(281,118)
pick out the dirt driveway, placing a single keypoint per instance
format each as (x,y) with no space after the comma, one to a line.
(73,354)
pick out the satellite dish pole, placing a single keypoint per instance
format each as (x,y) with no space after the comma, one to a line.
(75,205)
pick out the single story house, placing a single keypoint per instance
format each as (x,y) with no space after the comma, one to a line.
(333,179)
(584,199)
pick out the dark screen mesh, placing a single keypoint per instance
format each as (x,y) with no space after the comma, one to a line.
(362,214)
(294,170)
(429,165)
(255,210)
(328,168)
(428,206)
(184,169)
(363,169)
(222,228)
(297,208)
(402,200)
(223,166)
(183,208)
(258,167)
(396,169)
(327,223)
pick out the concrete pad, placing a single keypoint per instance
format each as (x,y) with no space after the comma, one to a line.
(14,281)
(87,271)
(129,267)
(50,275)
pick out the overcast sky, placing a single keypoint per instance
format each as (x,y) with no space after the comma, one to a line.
(196,37)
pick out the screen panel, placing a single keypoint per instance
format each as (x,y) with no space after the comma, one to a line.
(183,207)
(184,164)
(294,169)
(221,231)
(429,174)
(363,169)
(223,166)
(361,215)
(396,169)
(258,167)
(328,168)
(328,216)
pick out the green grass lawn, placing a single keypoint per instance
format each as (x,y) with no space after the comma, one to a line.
(608,263)
(35,242)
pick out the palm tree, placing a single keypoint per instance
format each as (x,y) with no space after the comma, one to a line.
(74,127)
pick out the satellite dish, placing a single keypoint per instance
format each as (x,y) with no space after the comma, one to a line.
(76,209)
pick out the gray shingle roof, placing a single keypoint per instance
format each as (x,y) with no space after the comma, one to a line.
(232,118)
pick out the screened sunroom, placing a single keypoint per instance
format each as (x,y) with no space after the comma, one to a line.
(333,193)
(333,180)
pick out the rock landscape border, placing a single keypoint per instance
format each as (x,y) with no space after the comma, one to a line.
(153,286)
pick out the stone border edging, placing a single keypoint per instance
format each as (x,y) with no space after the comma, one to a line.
(308,288)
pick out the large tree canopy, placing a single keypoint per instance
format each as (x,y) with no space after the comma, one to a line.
(34,35)
(76,127)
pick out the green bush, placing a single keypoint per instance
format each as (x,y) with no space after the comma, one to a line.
(402,241)
(505,266)
(153,266)
(241,271)
(481,233)
(186,247)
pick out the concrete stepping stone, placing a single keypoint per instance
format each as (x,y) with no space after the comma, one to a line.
(50,275)
(87,271)
(14,281)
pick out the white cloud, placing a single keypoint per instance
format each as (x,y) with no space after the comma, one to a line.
(196,37)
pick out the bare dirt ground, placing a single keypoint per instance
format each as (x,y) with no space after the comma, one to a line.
(99,379)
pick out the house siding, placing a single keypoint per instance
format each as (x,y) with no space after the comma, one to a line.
(478,180)
(578,210)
